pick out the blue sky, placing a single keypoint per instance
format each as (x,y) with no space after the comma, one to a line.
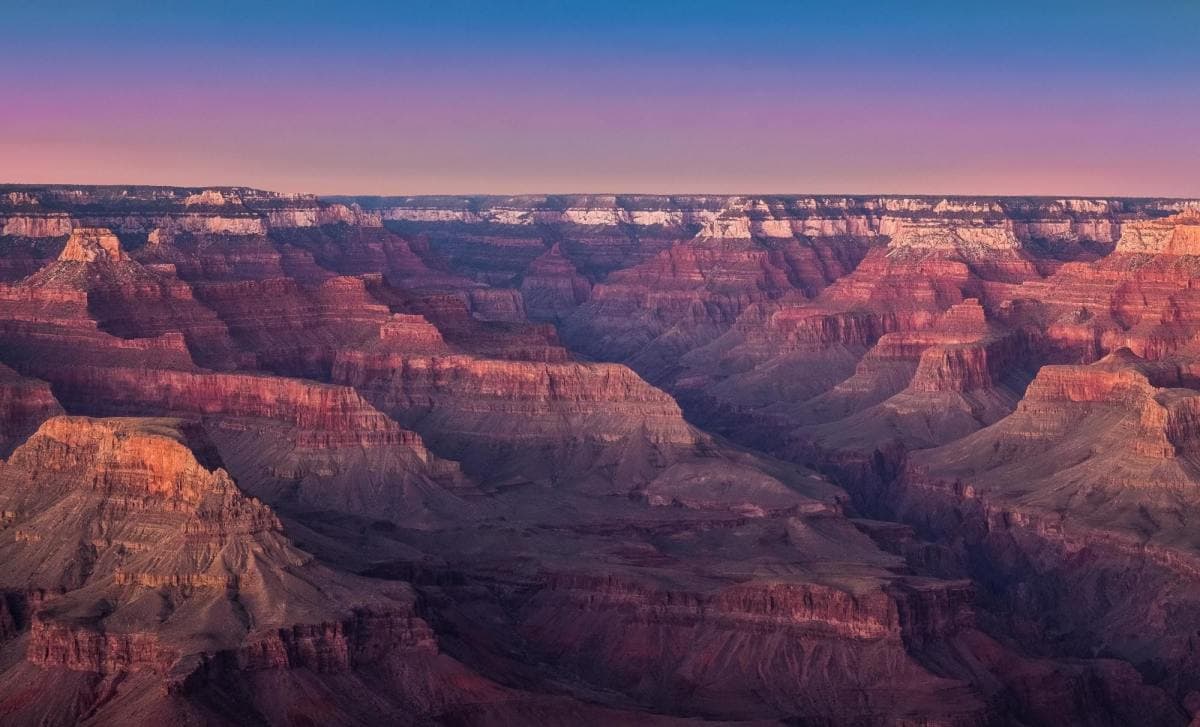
(971,97)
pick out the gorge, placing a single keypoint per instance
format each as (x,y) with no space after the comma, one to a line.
(582,459)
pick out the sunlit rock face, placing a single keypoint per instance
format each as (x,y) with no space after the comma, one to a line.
(1175,235)
(596,459)
(89,244)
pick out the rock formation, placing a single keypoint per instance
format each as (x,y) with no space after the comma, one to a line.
(89,244)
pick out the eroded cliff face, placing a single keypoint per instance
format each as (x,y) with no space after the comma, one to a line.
(1090,480)
(1175,235)
(427,459)
(24,404)
(162,589)
(104,519)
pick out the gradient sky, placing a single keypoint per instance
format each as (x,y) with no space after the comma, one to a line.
(968,97)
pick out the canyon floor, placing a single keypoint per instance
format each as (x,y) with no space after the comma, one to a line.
(271,459)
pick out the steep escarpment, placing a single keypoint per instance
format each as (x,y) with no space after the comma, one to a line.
(1139,297)
(131,300)
(1088,482)
(125,518)
(297,444)
(801,243)
(294,328)
(796,362)
(24,404)
(161,590)
(467,407)
(919,388)
(651,314)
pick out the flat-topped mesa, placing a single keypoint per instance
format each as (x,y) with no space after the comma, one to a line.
(155,522)
(963,323)
(959,368)
(1078,384)
(290,442)
(883,294)
(483,391)
(1115,432)
(939,381)
(505,418)
(1167,419)
(1103,426)
(1177,234)
(412,334)
(966,318)
(324,415)
(496,304)
(91,244)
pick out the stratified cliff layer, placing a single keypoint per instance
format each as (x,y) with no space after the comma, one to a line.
(150,587)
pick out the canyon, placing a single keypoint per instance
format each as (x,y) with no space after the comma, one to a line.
(583,459)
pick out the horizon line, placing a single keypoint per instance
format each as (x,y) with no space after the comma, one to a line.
(324,195)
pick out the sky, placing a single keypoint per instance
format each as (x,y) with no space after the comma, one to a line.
(456,97)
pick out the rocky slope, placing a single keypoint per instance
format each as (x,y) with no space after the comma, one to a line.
(150,587)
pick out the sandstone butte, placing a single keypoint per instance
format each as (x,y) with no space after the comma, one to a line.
(277,459)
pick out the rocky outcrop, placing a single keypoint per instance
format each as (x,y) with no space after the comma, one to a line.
(133,489)
(294,328)
(551,286)
(1139,297)
(776,621)
(651,314)
(1113,435)
(296,444)
(94,286)
(317,215)
(1175,235)
(88,244)
(39,225)
(24,404)
(146,464)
